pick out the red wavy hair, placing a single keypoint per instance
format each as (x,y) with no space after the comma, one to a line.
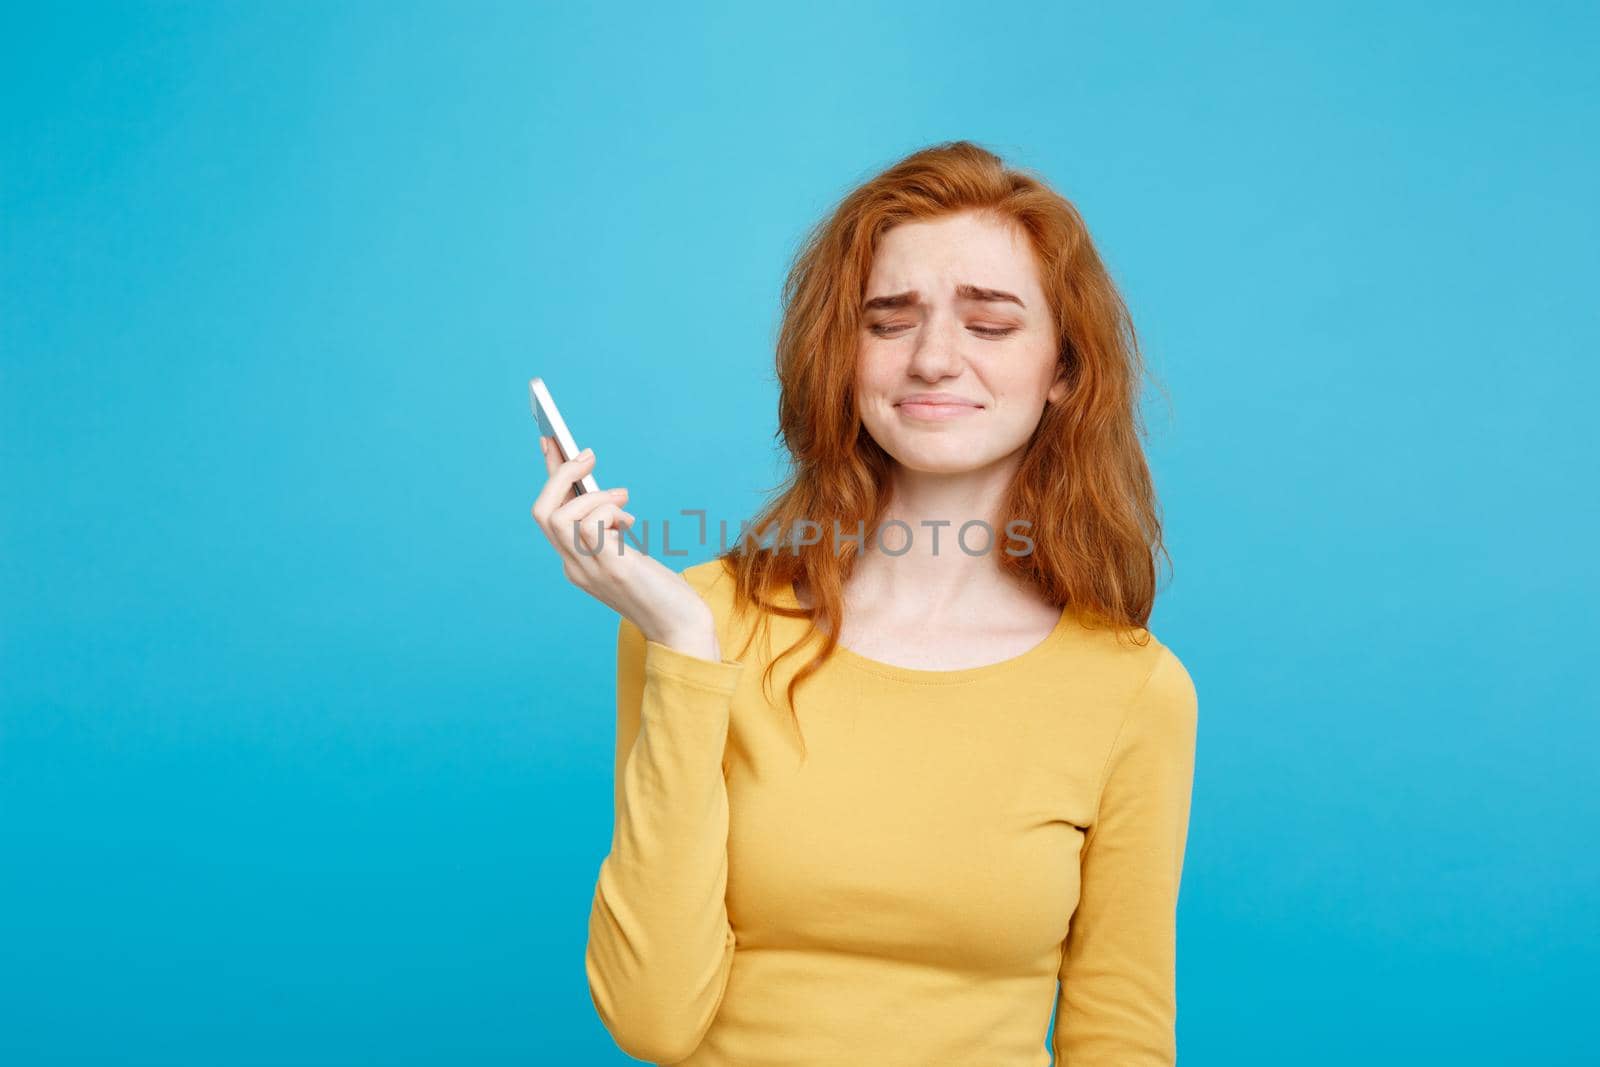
(1083,482)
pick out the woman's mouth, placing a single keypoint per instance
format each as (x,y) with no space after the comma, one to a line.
(936,409)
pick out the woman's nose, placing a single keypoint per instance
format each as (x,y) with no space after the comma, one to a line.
(938,352)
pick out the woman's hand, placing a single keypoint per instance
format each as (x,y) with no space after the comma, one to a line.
(586,530)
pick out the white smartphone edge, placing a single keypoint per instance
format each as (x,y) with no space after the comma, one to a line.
(542,402)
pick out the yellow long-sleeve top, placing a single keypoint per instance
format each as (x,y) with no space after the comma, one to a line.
(961,852)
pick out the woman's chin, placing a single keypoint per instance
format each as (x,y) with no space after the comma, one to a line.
(938,461)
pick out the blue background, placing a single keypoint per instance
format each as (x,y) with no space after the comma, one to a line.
(307,742)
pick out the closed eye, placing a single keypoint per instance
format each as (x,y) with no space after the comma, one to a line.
(883,330)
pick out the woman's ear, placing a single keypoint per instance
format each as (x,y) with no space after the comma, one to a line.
(1058,388)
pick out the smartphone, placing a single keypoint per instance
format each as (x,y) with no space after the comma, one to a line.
(551,424)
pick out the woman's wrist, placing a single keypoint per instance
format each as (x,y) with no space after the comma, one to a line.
(700,643)
(694,637)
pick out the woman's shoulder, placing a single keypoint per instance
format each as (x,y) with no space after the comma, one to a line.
(713,581)
(718,586)
(1133,664)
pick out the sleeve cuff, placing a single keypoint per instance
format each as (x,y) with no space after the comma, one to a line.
(721,677)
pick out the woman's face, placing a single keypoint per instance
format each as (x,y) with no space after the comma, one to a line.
(954,306)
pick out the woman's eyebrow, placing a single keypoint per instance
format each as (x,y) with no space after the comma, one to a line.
(972,293)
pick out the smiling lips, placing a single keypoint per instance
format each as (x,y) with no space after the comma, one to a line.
(937,406)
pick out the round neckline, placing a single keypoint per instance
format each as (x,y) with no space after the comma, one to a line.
(924,676)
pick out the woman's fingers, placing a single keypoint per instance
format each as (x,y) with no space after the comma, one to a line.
(581,505)
(578,513)
(558,487)
(597,529)
(552,459)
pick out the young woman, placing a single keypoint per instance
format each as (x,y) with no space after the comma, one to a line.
(969,805)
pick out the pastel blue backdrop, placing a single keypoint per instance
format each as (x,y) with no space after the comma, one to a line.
(306,745)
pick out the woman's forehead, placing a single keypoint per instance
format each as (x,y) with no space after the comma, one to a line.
(945,260)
